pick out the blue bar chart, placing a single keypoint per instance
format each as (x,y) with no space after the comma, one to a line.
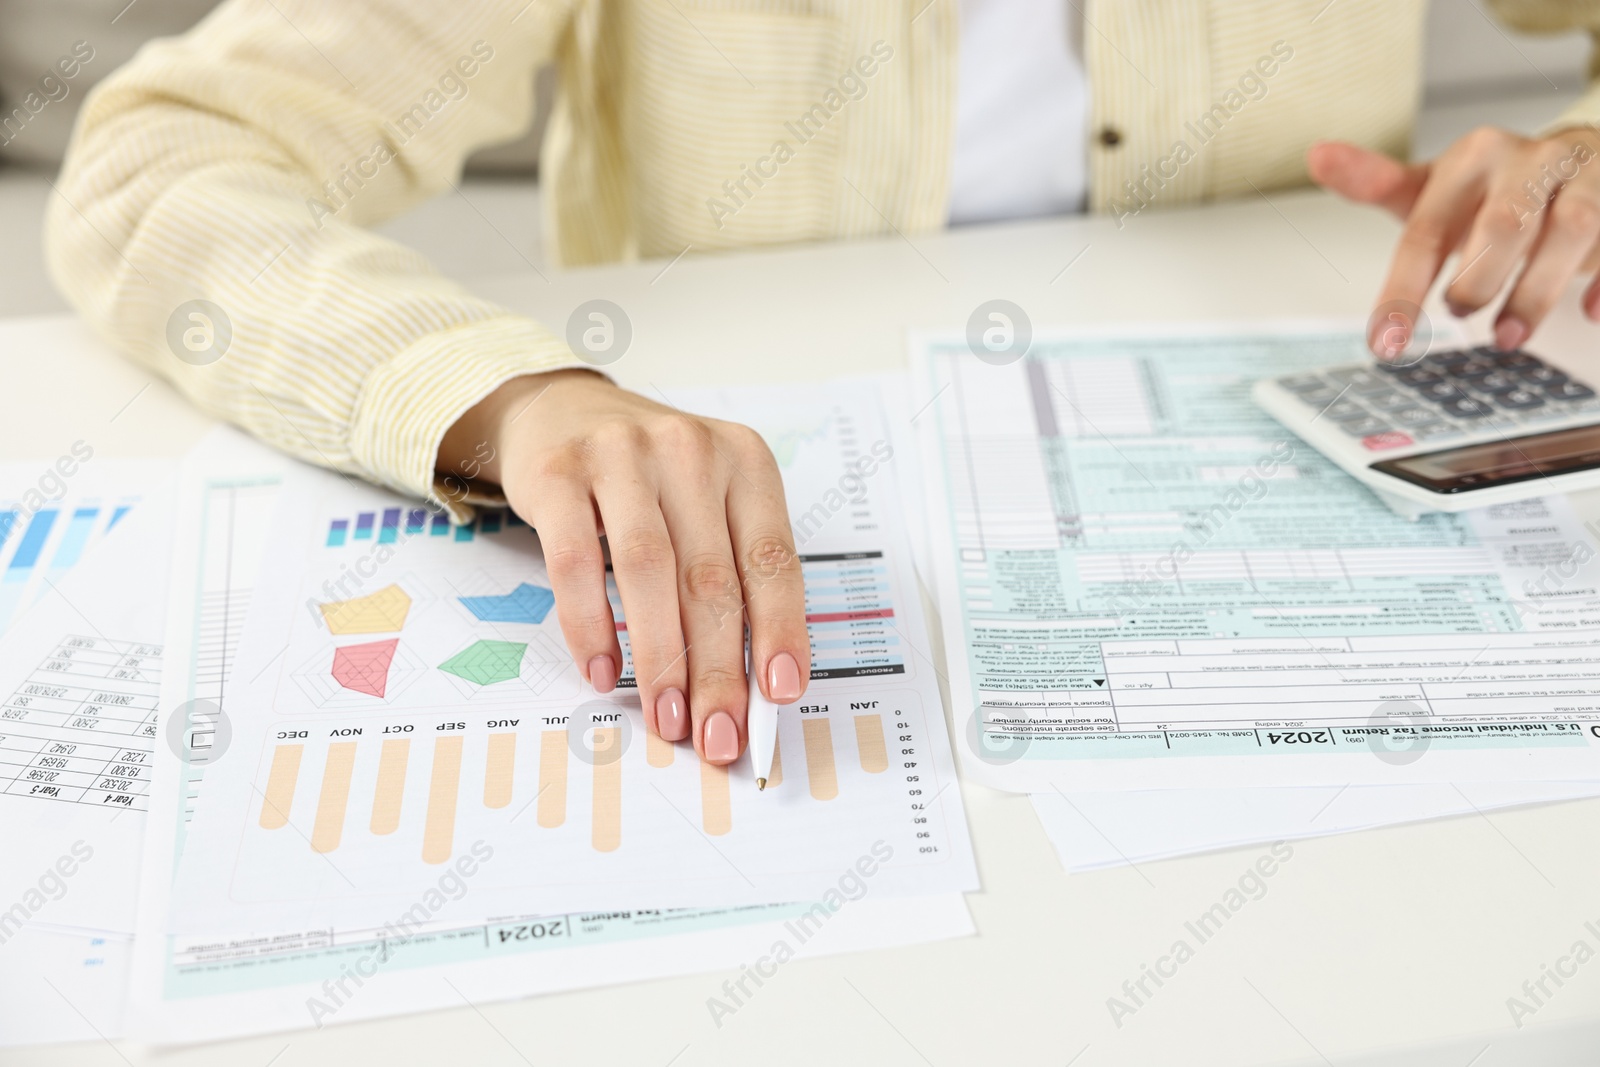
(20,570)
(38,547)
(392,525)
(76,538)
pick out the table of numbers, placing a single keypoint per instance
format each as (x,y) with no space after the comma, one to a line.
(80,727)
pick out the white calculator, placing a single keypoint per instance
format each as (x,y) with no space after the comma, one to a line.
(1452,430)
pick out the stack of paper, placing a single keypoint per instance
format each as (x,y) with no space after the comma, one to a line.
(83,583)
(378,784)
(1183,629)
(338,745)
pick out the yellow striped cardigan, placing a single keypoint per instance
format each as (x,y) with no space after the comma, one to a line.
(239,164)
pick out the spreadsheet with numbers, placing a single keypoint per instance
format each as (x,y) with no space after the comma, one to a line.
(80,673)
(80,727)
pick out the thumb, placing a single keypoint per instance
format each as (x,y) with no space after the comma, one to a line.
(1366,177)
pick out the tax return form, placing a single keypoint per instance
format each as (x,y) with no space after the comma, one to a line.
(1147,583)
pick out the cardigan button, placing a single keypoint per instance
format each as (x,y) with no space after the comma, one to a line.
(1110,136)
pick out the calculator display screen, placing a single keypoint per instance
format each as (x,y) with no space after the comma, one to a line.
(1516,459)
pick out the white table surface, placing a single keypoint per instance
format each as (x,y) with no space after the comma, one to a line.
(1407,939)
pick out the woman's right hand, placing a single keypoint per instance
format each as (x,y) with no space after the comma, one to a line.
(693,512)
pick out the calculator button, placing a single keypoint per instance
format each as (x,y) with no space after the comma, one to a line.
(1377,442)
(1447,359)
(1519,399)
(1303,383)
(1319,399)
(1415,415)
(1363,427)
(1540,374)
(1439,392)
(1496,382)
(1359,379)
(1388,400)
(1568,390)
(1436,431)
(1418,376)
(1547,413)
(1471,371)
(1513,360)
(1466,407)
(1340,410)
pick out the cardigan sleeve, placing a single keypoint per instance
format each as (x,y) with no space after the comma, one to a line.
(1559,16)
(209,220)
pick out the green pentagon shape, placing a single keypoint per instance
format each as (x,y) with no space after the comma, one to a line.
(487,662)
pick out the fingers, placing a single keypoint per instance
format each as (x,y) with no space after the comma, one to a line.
(1591,300)
(564,517)
(1441,214)
(684,548)
(775,597)
(646,573)
(694,487)
(1522,214)
(1569,234)
(1366,177)
(1503,232)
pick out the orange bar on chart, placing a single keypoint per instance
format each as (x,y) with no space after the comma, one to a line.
(823,776)
(280,786)
(329,827)
(716,812)
(439,828)
(775,779)
(657,753)
(606,833)
(499,770)
(552,778)
(869,743)
(391,785)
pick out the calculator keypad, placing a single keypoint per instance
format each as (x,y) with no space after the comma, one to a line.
(1465,407)
(1390,400)
(1569,390)
(1445,394)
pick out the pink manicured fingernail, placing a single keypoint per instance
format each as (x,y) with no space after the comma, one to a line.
(602,674)
(1390,340)
(721,741)
(1509,333)
(783,679)
(672,716)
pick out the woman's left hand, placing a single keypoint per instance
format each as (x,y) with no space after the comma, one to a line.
(1523,212)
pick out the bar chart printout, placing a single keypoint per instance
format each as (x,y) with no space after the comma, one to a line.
(402,772)
(404,792)
(492,736)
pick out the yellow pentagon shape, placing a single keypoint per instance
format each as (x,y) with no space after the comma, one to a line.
(382,612)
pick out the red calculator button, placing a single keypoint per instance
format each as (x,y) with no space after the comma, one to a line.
(1388,439)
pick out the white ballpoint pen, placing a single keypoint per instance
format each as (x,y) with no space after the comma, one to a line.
(762,726)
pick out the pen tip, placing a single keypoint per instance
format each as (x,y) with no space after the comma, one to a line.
(761,783)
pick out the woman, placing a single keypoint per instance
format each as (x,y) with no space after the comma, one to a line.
(240,163)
